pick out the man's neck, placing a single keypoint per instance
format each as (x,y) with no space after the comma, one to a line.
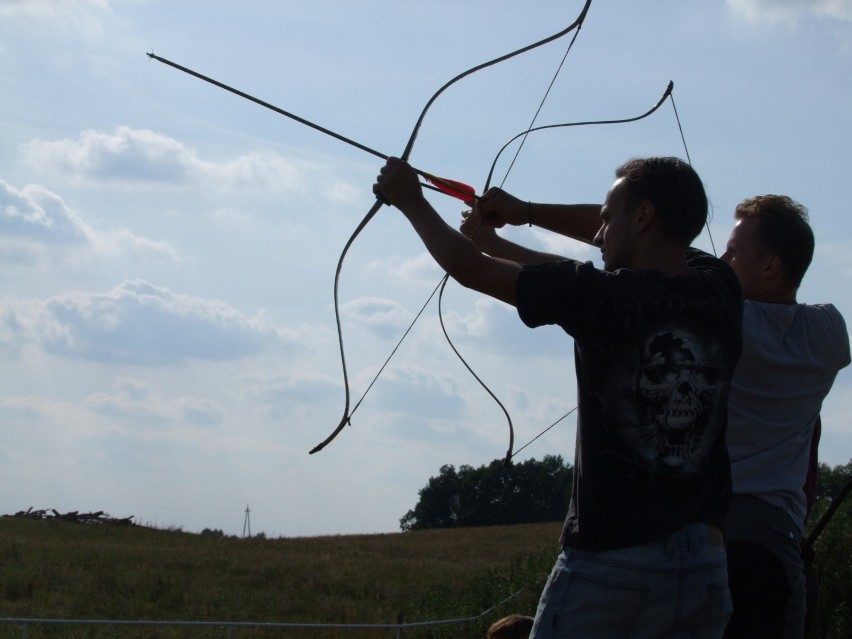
(666,260)
(776,294)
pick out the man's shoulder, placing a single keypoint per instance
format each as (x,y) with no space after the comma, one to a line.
(819,326)
(711,266)
(829,320)
(826,310)
(825,314)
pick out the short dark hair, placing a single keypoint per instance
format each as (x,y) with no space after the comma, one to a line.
(784,230)
(511,627)
(675,190)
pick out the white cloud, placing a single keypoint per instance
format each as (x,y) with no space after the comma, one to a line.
(341,192)
(49,9)
(561,245)
(34,220)
(420,268)
(309,389)
(25,408)
(413,391)
(384,317)
(791,11)
(493,327)
(83,16)
(36,213)
(141,157)
(140,323)
(133,399)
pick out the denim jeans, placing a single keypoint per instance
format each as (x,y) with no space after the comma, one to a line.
(676,587)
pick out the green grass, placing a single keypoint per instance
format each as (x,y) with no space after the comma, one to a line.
(56,569)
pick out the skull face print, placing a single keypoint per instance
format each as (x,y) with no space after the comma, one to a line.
(676,388)
(664,398)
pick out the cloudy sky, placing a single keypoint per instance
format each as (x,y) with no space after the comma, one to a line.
(168,250)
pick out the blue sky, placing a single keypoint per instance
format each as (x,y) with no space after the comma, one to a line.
(167,250)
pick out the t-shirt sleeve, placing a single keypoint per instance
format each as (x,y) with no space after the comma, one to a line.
(837,339)
(547,293)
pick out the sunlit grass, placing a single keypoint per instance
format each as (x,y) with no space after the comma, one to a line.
(54,569)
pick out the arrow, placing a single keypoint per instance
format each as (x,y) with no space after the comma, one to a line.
(452,188)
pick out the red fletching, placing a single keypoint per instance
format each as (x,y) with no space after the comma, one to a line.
(460,190)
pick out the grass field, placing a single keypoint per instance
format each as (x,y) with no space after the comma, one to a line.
(55,569)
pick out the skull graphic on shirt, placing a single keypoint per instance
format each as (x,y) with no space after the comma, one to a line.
(676,388)
(664,399)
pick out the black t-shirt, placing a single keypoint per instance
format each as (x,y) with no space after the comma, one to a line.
(654,356)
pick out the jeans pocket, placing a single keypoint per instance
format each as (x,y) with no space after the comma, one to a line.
(590,605)
(718,605)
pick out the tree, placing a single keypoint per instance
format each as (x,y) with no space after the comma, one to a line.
(830,480)
(495,494)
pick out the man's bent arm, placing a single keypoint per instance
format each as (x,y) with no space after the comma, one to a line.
(454,252)
(578,221)
(486,238)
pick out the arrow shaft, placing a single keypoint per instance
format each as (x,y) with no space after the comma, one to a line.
(269,106)
(301,120)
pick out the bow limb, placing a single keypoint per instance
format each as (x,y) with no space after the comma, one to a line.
(666,95)
(578,22)
(508,458)
(575,25)
(346,415)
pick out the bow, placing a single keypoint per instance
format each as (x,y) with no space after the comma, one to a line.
(668,94)
(523,134)
(346,417)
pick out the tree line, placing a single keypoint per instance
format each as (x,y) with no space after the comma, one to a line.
(532,491)
(493,495)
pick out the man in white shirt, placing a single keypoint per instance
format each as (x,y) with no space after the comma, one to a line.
(791,355)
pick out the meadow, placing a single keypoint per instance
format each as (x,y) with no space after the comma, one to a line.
(56,569)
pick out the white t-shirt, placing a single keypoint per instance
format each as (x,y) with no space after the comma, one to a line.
(791,356)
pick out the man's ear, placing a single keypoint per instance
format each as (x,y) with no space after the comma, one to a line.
(644,216)
(771,267)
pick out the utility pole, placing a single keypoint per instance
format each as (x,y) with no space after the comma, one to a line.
(247,522)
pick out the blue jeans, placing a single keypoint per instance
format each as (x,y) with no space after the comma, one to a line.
(676,587)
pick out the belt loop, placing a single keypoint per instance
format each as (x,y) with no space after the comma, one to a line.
(672,543)
(694,541)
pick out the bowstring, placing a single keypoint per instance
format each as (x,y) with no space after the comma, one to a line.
(396,348)
(537,111)
(689,160)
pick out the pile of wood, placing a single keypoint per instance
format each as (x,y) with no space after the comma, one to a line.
(99,517)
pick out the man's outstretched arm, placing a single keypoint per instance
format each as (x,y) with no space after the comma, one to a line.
(454,252)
